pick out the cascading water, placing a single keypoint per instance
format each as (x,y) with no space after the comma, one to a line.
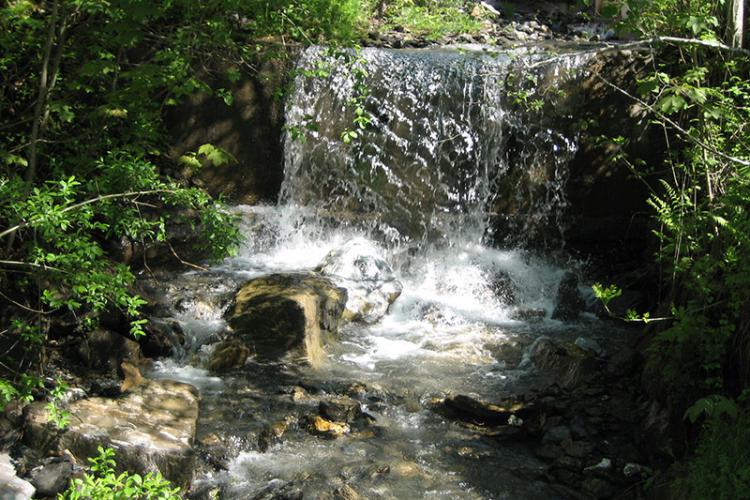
(416,190)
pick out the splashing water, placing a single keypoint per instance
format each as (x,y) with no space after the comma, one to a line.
(418,189)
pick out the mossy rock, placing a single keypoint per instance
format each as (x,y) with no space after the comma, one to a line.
(294,313)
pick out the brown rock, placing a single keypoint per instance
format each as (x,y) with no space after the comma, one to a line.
(284,313)
(327,428)
(228,355)
(341,409)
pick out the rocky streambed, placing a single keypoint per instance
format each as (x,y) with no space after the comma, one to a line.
(380,334)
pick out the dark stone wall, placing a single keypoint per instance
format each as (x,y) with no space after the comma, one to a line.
(250,129)
(607,200)
(604,211)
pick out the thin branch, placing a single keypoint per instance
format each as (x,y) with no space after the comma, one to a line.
(184,262)
(26,308)
(682,131)
(18,263)
(132,194)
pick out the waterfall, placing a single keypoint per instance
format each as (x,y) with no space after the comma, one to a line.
(452,132)
(455,186)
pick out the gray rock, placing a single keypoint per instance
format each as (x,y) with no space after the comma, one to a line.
(151,427)
(288,313)
(603,464)
(569,303)
(370,282)
(633,469)
(13,487)
(52,478)
(163,338)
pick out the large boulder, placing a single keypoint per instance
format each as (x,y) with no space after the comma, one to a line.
(369,280)
(293,313)
(151,427)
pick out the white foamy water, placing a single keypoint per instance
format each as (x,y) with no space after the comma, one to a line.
(412,196)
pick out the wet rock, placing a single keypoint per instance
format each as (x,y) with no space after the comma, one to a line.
(299,394)
(569,463)
(323,427)
(273,433)
(633,469)
(407,469)
(104,350)
(528,314)
(13,487)
(504,288)
(346,492)
(284,313)
(566,364)
(152,427)
(569,303)
(216,451)
(341,409)
(163,338)
(52,478)
(474,410)
(370,282)
(590,345)
(549,451)
(603,464)
(279,490)
(228,355)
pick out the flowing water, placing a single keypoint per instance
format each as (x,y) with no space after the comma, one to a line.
(416,191)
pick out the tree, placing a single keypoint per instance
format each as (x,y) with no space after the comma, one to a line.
(735,22)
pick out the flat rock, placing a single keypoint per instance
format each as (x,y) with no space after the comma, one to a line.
(151,427)
(288,313)
(474,410)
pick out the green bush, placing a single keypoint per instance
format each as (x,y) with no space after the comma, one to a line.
(720,467)
(431,18)
(103,483)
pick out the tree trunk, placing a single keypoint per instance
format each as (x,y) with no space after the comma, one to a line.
(736,22)
(41,101)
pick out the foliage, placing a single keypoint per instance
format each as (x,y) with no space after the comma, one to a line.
(83,89)
(103,483)
(431,18)
(720,467)
(57,415)
(699,93)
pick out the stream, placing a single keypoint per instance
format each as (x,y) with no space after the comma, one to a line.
(411,198)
